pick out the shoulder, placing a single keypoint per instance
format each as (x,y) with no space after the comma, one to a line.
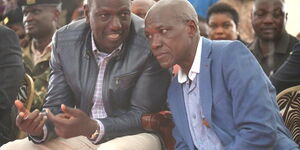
(72,31)
(6,31)
(137,40)
(226,47)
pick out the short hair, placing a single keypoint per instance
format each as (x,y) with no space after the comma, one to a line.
(223,8)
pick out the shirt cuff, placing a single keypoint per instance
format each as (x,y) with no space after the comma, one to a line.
(101,132)
(38,139)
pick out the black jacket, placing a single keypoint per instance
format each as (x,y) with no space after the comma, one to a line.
(11,76)
(288,74)
(134,82)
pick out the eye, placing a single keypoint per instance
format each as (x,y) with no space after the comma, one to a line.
(226,25)
(125,14)
(259,13)
(277,14)
(149,36)
(164,31)
(212,26)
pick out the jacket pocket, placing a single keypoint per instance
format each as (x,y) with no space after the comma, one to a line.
(126,81)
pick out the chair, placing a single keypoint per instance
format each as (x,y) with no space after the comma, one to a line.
(162,124)
(25,94)
(289,105)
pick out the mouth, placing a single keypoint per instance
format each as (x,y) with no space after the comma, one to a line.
(29,26)
(114,36)
(161,56)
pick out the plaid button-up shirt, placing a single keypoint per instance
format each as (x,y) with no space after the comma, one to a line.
(98,110)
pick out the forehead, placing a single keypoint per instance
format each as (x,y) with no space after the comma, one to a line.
(268,4)
(34,7)
(220,16)
(160,16)
(111,3)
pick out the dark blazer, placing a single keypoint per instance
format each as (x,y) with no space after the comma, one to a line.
(288,74)
(237,100)
(133,84)
(11,76)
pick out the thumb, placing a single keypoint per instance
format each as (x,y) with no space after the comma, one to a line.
(70,111)
(21,107)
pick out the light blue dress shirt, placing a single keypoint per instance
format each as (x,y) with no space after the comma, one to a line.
(203,136)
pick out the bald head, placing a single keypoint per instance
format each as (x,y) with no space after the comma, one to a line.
(141,7)
(176,9)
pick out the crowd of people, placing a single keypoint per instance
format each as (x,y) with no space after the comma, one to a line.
(99,65)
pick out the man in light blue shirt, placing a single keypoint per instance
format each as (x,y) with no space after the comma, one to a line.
(221,98)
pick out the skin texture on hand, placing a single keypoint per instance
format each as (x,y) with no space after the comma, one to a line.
(71,123)
(30,122)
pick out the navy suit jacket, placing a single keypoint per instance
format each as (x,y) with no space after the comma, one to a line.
(238,101)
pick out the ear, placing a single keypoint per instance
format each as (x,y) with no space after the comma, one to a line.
(192,27)
(56,15)
(86,10)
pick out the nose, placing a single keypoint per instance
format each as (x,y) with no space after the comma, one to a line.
(115,24)
(269,18)
(155,42)
(219,30)
(28,17)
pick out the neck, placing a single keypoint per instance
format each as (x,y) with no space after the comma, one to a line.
(41,43)
(266,46)
(187,63)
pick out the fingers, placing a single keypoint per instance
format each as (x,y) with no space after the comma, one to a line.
(21,107)
(37,121)
(70,111)
(57,120)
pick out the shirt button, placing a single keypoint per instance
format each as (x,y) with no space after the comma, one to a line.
(194,116)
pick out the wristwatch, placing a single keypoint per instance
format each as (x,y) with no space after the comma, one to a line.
(94,136)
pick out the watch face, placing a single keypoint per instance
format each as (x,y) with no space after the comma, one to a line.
(95,135)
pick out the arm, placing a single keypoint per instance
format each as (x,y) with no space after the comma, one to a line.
(11,66)
(147,96)
(288,74)
(58,90)
(253,99)
(11,76)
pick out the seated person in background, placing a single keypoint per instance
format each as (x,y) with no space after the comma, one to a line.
(288,74)
(203,27)
(141,7)
(272,44)
(11,76)
(223,21)
(103,66)
(40,21)
(221,98)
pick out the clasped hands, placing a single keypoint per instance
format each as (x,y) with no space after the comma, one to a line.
(72,122)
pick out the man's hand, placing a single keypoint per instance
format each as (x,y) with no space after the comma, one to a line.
(73,122)
(32,123)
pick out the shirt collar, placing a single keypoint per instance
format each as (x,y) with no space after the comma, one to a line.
(195,69)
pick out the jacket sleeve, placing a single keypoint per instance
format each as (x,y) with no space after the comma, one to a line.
(11,76)
(59,91)
(288,74)
(11,66)
(147,96)
(253,100)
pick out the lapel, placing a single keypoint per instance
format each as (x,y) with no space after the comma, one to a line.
(89,74)
(205,79)
(206,95)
